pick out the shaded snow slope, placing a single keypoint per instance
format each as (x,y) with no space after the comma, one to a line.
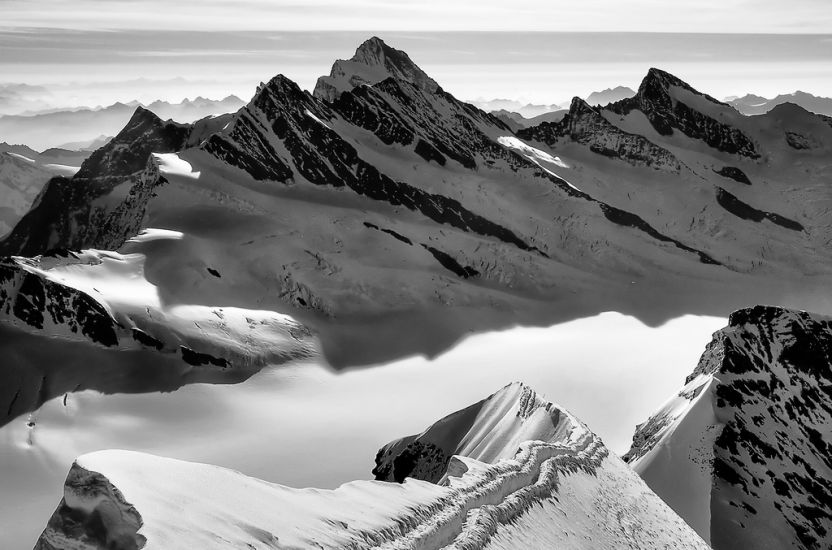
(555,484)
(749,435)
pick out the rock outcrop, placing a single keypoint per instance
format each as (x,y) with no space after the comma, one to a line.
(752,427)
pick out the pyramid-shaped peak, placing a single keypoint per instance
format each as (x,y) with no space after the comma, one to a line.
(143,117)
(373,62)
(658,82)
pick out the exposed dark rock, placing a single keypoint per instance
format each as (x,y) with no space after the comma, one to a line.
(197,358)
(449,263)
(35,300)
(733,173)
(397,236)
(145,339)
(747,212)
(627,219)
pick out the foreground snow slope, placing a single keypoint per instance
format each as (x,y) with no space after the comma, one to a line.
(744,451)
(541,479)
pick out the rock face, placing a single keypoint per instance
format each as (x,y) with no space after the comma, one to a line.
(671,104)
(542,480)
(754,423)
(373,62)
(587,126)
(104,203)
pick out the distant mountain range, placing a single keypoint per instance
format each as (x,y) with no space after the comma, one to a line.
(83,127)
(751,104)
(610,95)
(517,115)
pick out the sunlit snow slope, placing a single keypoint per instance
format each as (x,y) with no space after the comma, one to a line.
(530,475)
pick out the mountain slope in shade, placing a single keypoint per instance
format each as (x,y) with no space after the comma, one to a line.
(541,479)
(20,183)
(103,203)
(751,104)
(743,451)
(373,62)
(23,173)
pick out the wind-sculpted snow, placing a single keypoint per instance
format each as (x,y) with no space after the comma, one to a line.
(754,421)
(549,482)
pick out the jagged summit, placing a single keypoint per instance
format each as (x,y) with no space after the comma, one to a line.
(670,104)
(373,62)
(586,125)
(658,79)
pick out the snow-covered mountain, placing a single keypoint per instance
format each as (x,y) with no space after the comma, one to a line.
(751,104)
(373,62)
(743,452)
(395,199)
(510,471)
(83,126)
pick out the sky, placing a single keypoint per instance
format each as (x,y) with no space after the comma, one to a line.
(731,16)
(94,52)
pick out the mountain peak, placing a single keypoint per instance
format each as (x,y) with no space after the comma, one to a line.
(142,118)
(659,82)
(372,62)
